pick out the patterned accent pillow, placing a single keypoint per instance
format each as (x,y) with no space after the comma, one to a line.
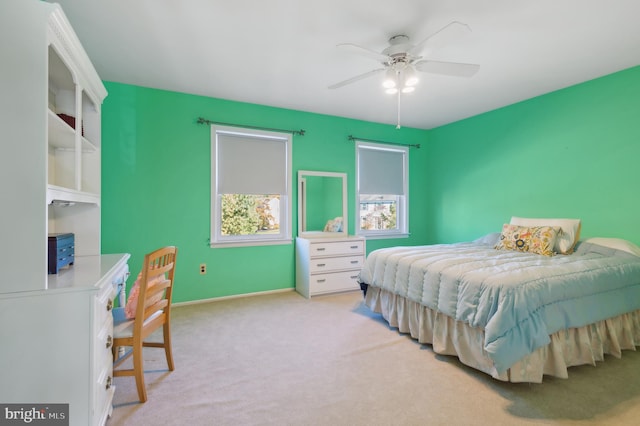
(333,225)
(529,239)
(568,235)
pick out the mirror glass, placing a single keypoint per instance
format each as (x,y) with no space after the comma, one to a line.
(322,204)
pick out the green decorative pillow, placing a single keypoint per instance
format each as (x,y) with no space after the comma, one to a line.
(529,239)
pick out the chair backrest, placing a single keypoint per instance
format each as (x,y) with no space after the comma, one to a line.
(156,288)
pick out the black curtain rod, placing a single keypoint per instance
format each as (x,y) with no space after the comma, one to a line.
(295,132)
(353,138)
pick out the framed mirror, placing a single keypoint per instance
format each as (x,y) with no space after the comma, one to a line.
(322,204)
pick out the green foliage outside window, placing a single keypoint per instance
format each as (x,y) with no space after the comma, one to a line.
(389,218)
(244,214)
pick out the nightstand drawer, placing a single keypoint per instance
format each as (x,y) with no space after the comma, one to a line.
(319,265)
(336,248)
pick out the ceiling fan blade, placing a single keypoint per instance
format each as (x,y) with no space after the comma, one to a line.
(356,78)
(446,35)
(455,69)
(363,51)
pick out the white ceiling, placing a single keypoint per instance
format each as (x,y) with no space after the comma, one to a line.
(283,52)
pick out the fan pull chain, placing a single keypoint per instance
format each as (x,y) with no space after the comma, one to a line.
(398,125)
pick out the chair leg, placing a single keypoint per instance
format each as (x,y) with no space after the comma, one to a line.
(138,371)
(166,331)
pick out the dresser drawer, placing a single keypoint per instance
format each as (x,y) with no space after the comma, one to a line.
(104,306)
(336,248)
(103,344)
(336,281)
(103,396)
(329,264)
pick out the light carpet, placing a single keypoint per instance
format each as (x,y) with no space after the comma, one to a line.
(280,359)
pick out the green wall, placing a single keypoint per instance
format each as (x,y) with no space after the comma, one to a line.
(156,183)
(571,153)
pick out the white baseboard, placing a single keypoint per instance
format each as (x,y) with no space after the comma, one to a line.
(233,296)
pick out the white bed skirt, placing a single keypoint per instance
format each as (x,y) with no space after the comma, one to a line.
(575,346)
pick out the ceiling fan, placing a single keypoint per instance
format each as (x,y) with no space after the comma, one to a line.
(401,60)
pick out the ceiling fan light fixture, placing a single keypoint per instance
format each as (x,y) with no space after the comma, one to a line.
(390,79)
(410,76)
(402,60)
(410,82)
(388,84)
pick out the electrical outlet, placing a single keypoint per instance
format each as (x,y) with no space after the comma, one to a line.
(203,268)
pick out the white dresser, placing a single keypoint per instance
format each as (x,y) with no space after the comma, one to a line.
(57,342)
(328,265)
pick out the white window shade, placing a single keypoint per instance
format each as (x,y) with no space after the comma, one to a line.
(262,172)
(381,171)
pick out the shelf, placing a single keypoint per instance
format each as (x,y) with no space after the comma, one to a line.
(62,136)
(67,195)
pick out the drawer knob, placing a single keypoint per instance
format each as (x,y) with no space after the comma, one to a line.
(354,247)
(353,262)
(321,264)
(108,385)
(109,341)
(353,277)
(321,281)
(320,249)
(109,305)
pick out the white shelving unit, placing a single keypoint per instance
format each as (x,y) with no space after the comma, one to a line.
(73,155)
(50,170)
(56,330)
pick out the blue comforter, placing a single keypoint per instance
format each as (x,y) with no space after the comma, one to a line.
(519,299)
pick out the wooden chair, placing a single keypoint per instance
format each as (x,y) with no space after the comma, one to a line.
(153,309)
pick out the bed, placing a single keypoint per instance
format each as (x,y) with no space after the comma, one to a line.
(518,304)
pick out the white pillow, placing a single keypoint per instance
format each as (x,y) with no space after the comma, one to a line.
(616,243)
(567,239)
(490,239)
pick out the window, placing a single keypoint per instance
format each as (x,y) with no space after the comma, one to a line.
(382,173)
(250,187)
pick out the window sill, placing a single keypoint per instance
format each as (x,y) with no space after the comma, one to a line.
(384,236)
(254,243)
